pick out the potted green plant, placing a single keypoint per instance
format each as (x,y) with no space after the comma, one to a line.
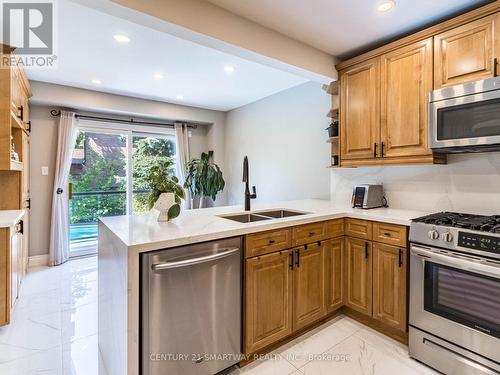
(203,178)
(166,192)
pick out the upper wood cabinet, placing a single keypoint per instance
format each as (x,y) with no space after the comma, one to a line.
(405,82)
(467,53)
(268,299)
(309,285)
(334,274)
(360,110)
(359,275)
(389,285)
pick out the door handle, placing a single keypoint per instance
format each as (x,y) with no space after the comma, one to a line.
(297,261)
(495,63)
(375,150)
(400,260)
(366,250)
(192,262)
(291,260)
(382,149)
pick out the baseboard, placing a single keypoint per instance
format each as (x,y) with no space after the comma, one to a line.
(38,260)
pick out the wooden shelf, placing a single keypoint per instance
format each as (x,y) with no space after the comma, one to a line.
(16,122)
(16,165)
(333,113)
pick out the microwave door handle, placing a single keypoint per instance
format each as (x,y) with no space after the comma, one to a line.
(457,262)
(193,261)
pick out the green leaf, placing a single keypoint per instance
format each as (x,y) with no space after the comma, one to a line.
(174,211)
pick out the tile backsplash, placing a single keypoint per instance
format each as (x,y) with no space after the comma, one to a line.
(468,183)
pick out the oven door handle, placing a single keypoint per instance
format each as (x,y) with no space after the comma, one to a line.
(471,265)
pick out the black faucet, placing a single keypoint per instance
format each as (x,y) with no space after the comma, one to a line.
(248,196)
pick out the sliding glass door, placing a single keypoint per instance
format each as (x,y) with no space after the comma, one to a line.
(109,177)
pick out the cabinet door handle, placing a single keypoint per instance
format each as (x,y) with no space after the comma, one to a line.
(297,261)
(366,250)
(400,260)
(387,234)
(291,260)
(311,234)
(375,150)
(21,112)
(271,242)
(495,63)
(382,149)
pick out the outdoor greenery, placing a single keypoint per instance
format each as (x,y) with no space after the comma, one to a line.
(162,180)
(204,177)
(107,174)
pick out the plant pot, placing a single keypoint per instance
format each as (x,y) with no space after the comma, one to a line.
(333,129)
(165,205)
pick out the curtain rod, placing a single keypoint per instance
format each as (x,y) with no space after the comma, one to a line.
(57,113)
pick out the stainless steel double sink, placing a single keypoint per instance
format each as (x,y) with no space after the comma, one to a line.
(252,217)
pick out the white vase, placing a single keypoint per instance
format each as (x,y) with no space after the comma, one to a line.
(163,204)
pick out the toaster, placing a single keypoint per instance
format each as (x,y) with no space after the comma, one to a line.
(368,196)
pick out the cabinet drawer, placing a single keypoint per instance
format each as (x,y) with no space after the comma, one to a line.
(358,228)
(390,234)
(308,233)
(335,228)
(267,242)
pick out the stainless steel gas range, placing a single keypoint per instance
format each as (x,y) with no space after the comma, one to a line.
(455,293)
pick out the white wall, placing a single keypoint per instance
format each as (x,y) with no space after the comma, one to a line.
(284,138)
(468,183)
(44,140)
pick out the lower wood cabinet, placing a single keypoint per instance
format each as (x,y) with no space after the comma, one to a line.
(309,285)
(334,274)
(268,299)
(359,275)
(11,260)
(389,285)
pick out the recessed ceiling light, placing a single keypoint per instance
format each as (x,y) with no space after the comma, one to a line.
(158,76)
(121,38)
(96,81)
(386,6)
(229,69)
(179,97)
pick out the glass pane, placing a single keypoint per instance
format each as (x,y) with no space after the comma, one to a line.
(98,174)
(146,152)
(465,297)
(469,120)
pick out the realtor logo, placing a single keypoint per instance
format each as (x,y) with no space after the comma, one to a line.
(28,27)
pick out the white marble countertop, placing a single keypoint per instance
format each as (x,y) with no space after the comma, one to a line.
(9,218)
(144,233)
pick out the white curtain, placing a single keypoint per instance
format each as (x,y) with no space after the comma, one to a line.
(182,156)
(59,228)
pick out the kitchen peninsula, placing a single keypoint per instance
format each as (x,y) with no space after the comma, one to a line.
(123,238)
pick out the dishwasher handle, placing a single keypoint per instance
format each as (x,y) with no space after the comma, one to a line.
(190,262)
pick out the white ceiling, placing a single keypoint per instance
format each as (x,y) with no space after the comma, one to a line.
(87,50)
(340,27)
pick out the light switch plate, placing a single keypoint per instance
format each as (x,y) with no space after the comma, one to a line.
(45,171)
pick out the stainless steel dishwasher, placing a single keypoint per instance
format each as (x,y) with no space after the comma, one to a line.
(191,308)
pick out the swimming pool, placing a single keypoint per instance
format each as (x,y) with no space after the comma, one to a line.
(78,232)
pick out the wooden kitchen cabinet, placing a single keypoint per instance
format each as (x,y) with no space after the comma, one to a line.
(389,285)
(406,80)
(334,274)
(10,269)
(309,285)
(360,110)
(467,53)
(359,275)
(268,299)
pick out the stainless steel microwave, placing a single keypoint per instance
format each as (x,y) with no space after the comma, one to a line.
(465,118)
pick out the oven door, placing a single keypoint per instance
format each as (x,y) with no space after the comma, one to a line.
(456,298)
(465,121)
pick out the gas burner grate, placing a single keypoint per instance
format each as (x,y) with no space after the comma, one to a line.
(465,221)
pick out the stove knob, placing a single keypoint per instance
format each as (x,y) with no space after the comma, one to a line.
(433,234)
(447,237)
